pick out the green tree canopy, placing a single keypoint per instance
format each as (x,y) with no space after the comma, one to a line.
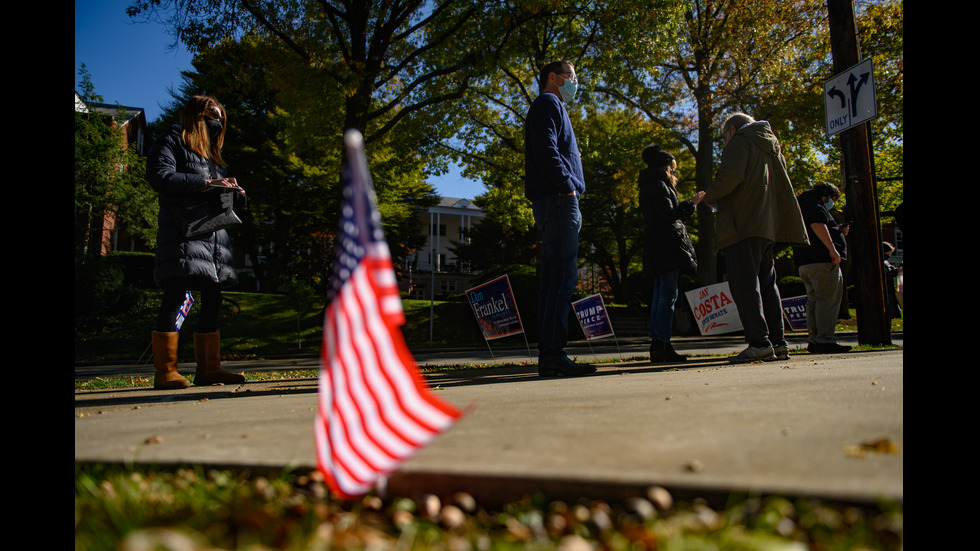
(594,36)
(432,81)
(393,62)
(289,165)
(729,56)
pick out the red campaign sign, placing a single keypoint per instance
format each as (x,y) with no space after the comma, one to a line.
(714,309)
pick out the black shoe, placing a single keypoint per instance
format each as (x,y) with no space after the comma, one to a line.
(672,355)
(563,367)
(658,352)
(827,348)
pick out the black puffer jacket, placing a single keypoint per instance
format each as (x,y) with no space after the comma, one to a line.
(666,245)
(178,174)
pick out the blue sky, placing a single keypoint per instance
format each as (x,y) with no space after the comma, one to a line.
(131,63)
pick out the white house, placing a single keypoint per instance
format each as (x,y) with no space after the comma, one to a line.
(447,222)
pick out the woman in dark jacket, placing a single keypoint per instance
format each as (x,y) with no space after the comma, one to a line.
(667,249)
(185,167)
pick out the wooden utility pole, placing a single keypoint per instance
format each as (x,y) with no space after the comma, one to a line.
(874,325)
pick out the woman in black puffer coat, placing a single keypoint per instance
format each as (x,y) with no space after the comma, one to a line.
(185,166)
(667,249)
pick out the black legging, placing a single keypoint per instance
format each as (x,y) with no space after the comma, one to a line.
(173,297)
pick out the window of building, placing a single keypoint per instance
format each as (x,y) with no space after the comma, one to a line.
(447,286)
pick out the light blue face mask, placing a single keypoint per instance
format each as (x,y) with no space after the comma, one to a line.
(829,203)
(568,90)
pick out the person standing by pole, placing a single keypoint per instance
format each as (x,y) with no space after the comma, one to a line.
(820,267)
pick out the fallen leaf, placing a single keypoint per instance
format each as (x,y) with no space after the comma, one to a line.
(881,445)
(693,466)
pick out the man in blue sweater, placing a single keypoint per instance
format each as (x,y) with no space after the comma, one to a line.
(554,182)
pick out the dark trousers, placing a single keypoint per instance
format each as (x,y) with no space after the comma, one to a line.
(752,279)
(559,219)
(173,298)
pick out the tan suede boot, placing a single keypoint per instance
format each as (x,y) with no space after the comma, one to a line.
(165,362)
(207,352)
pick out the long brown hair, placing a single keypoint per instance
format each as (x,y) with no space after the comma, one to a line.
(670,169)
(195,131)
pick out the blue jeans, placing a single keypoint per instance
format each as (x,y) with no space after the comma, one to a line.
(662,305)
(559,220)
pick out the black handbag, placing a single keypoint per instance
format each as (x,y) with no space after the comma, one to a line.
(212,211)
(208,215)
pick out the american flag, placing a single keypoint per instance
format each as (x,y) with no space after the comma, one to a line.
(375,408)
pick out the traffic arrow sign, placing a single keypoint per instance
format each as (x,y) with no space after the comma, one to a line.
(849,98)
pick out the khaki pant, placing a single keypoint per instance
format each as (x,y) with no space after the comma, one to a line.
(824,289)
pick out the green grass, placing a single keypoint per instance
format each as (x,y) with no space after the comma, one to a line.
(119,507)
(129,381)
(258,325)
(251,325)
(897,324)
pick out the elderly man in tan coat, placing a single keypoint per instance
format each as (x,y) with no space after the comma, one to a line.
(756,212)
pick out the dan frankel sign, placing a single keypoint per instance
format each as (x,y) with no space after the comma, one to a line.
(592,317)
(714,309)
(495,310)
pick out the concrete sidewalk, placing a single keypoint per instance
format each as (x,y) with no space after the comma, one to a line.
(828,426)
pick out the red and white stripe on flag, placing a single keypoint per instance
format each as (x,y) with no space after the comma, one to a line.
(375,408)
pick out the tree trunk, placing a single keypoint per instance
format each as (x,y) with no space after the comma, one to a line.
(874,324)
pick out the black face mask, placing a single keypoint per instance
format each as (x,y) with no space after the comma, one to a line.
(214,128)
